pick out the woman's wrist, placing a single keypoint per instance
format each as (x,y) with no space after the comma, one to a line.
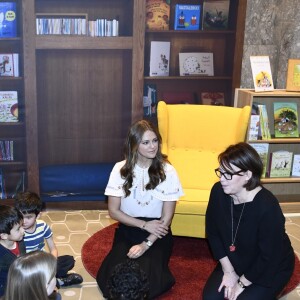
(229,272)
(143,226)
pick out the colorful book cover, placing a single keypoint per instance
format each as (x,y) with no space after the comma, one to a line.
(9,64)
(253,128)
(8,19)
(159,58)
(213,98)
(158,14)
(261,73)
(150,100)
(264,122)
(198,63)
(215,14)
(263,151)
(281,163)
(8,106)
(286,119)
(187,17)
(296,165)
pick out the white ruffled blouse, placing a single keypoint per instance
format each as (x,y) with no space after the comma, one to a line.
(142,202)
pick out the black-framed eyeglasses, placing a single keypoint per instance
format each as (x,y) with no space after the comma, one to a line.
(227,175)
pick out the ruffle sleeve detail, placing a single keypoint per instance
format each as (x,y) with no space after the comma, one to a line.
(115,182)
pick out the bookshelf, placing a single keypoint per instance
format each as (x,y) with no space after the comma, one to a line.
(13,170)
(287,189)
(226,46)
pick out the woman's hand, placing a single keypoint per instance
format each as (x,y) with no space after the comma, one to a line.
(137,250)
(228,282)
(157,227)
(235,292)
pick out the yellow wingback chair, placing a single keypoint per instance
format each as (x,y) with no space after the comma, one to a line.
(192,137)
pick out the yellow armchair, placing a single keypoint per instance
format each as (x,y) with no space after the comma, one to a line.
(192,137)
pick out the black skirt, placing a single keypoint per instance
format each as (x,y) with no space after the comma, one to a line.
(154,262)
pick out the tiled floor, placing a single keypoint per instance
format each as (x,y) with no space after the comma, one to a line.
(72,228)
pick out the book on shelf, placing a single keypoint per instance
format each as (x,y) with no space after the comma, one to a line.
(187,17)
(285,119)
(261,73)
(8,106)
(20,187)
(8,19)
(159,58)
(253,133)
(2,187)
(213,98)
(215,14)
(263,151)
(6,150)
(158,14)
(280,163)
(296,165)
(9,64)
(264,122)
(179,97)
(150,100)
(197,63)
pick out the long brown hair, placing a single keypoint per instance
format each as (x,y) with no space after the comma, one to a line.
(133,140)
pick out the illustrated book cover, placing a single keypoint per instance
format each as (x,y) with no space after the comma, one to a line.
(253,128)
(261,73)
(9,64)
(215,14)
(296,165)
(263,150)
(198,63)
(187,17)
(150,100)
(8,19)
(158,14)
(159,58)
(8,106)
(212,98)
(280,163)
(285,119)
(264,122)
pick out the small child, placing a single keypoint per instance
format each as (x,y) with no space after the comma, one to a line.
(32,276)
(11,244)
(37,232)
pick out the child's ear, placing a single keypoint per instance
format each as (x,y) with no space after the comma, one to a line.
(3,236)
(39,215)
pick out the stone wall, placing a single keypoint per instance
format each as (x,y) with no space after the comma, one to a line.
(272,28)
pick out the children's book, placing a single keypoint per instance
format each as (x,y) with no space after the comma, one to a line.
(212,98)
(158,14)
(286,119)
(150,100)
(198,63)
(253,128)
(8,106)
(215,14)
(261,73)
(264,122)
(263,150)
(159,58)
(8,19)
(280,163)
(296,165)
(9,64)
(187,17)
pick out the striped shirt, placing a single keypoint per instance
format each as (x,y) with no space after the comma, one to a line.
(36,240)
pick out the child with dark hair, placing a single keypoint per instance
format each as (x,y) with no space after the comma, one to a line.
(11,244)
(128,282)
(37,232)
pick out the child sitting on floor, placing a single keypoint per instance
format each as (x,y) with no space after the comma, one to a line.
(37,232)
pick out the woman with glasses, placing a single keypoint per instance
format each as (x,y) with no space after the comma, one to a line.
(246,231)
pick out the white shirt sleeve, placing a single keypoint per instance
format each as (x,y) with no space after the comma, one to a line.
(115,183)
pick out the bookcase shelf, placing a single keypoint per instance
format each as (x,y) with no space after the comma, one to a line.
(286,188)
(187,78)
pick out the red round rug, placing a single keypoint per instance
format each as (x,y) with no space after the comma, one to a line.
(191,263)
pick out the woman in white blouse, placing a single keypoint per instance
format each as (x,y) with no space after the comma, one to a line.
(142,193)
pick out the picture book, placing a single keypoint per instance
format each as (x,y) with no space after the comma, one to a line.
(159,58)
(150,100)
(286,119)
(215,14)
(261,73)
(264,122)
(158,14)
(9,64)
(280,163)
(179,97)
(263,150)
(187,17)
(196,64)
(8,106)
(253,128)
(8,19)
(212,98)
(296,165)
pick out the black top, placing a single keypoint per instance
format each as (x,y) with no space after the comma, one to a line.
(262,246)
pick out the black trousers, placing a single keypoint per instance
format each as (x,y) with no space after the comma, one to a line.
(65,263)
